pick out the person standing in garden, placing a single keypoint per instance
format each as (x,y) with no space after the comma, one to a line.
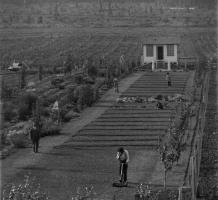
(123,157)
(116,86)
(168,79)
(34,134)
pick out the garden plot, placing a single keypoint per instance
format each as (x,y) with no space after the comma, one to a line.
(133,124)
(155,84)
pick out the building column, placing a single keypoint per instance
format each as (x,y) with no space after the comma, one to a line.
(169,67)
(152,63)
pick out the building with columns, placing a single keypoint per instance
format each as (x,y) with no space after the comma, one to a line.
(160,52)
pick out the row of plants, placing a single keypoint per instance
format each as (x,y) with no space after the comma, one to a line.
(30,189)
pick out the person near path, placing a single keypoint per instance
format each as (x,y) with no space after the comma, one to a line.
(168,79)
(159,105)
(123,157)
(34,134)
(116,86)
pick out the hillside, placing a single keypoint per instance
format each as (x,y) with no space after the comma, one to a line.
(101,13)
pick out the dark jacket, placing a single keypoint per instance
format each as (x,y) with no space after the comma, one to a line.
(34,135)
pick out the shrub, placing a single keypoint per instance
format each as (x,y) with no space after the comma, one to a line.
(29,100)
(133,65)
(50,129)
(47,101)
(92,71)
(6,91)
(70,94)
(76,94)
(20,140)
(23,77)
(63,112)
(78,79)
(28,190)
(40,72)
(54,130)
(89,80)
(23,112)
(86,95)
(57,81)
(45,112)
(159,97)
(61,86)
(102,72)
(9,112)
(40,20)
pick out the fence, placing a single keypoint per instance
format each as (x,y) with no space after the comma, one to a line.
(188,63)
(191,180)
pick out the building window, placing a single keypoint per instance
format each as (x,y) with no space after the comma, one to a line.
(170,50)
(149,51)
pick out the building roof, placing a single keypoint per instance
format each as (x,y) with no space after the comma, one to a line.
(161,40)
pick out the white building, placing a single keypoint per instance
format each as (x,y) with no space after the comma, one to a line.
(161,52)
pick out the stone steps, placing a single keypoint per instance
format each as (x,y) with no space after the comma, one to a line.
(125,127)
(142,119)
(121,132)
(87,144)
(129,123)
(111,138)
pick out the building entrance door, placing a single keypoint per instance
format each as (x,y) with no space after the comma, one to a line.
(160,55)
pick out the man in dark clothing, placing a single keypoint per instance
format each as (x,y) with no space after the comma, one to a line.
(116,86)
(123,157)
(159,105)
(168,78)
(34,134)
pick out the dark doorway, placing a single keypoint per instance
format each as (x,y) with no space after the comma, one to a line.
(160,53)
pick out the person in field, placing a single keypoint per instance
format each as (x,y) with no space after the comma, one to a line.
(168,79)
(123,157)
(159,105)
(34,134)
(116,86)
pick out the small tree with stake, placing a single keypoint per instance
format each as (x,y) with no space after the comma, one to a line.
(40,72)
(37,115)
(166,152)
(166,158)
(23,77)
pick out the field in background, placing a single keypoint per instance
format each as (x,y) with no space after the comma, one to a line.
(50,47)
(101,13)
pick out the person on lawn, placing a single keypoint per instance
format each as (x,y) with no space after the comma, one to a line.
(159,105)
(116,86)
(168,79)
(123,157)
(34,134)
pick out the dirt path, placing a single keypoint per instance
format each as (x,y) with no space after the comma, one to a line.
(25,157)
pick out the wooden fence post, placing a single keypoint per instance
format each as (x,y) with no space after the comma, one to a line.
(193,178)
(185,193)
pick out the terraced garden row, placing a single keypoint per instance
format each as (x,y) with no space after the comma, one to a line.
(133,124)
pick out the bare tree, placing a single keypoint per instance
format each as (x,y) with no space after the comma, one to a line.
(110,12)
(100,6)
(77,3)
